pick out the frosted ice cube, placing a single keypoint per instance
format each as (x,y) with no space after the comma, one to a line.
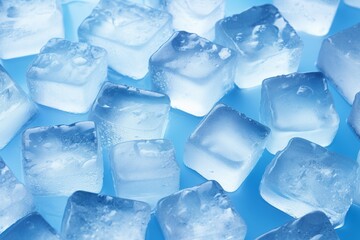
(194,72)
(306,177)
(91,216)
(314,225)
(202,212)
(145,170)
(26,25)
(129,32)
(298,105)
(354,118)
(67,75)
(353,3)
(60,160)
(266,44)
(225,146)
(125,113)
(16,108)
(339,60)
(311,16)
(196,16)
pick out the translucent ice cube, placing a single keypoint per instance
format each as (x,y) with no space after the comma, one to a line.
(226,146)
(26,25)
(125,113)
(339,60)
(353,3)
(193,71)
(129,32)
(67,75)
(354,118)
(306,177)
(151,3)
(60,160)
(298,105)
(202,212)
(91,216)
(267,45)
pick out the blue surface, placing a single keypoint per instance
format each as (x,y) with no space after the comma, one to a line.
(259,216)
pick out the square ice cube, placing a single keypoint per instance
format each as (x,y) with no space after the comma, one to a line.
(91,216)
(196,16)
(315,225)
(266,44)
(202,212)
(60,160)
(194,72)
(16,108)
(298,105)
(145,170)
(25,26)
(310,16)
(353,3)
(226,146)
(67,75)
(129,32)
(306,177)
(354,117)
(339,60)
(125,113)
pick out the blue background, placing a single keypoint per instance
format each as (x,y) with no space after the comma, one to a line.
(259,216)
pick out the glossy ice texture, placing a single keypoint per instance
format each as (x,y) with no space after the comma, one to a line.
(354,118)
(194,72)
(353,3)
(60,160)
(151,3)
(266,44)
(298,105)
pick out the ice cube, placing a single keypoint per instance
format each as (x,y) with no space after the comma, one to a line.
(196,16)
(16,201)
(354,118)
(266,44)
(151,3)
(60,160)
(298,105)
(193,71)
(315,225)
(202,212)
(125,113)
(310,16)
(226,146)
(16,108)
(31,227)
(91,216)
(353,3)
(145,170)
(306,177)
(25,26)
(67,75)
(129,32)
(339,60)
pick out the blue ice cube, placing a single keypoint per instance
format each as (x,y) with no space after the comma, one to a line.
(59,160)
(306,177)
(202,212)
(125,113)
(353,3)
(339,60)
(129,32)
(194,72)
(298,105)
(354,118)
(267,45)
(145,170)
(67,75)
(25,26)
(315,225)
(150,3)
(226,146)
(91,216)
(16,109)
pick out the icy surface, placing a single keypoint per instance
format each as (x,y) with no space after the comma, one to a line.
(194,72)
(67,75)
(354,118)
(60,160)
(266,44)
(145,170)
(298,105)
(91,216)
(306,177)
(353,3)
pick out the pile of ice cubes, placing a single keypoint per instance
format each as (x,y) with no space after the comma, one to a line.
(186,56)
